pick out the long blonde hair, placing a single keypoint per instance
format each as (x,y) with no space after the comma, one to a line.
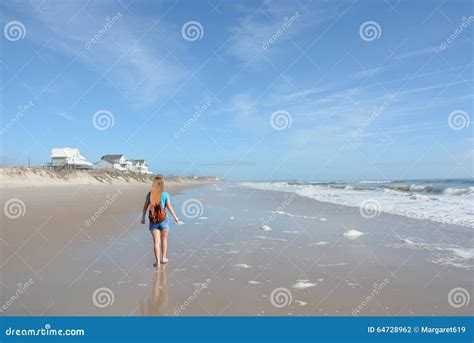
(156,192)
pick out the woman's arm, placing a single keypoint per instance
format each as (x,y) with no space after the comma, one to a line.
(171,209)
(145,207)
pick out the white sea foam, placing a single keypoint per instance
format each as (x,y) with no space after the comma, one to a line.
(352,234)
(303,285)
(243,265)
(272,239)
(448,206)
(282,213)
(320,243)
(444,254)
(331,265)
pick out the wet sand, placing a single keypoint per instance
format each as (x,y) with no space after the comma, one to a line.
(221,263)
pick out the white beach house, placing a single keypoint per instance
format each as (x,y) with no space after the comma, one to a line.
(68,158)
(114,162)
(140,167)
(121,164)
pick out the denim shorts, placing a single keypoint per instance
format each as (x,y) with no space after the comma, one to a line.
(163,226)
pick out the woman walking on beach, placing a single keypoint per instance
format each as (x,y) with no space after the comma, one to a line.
(158,201)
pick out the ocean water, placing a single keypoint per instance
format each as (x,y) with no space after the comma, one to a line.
(449,201)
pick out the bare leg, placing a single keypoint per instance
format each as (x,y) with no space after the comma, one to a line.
(164,243)
(156,241)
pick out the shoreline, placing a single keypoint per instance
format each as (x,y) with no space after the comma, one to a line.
(448,206)
(221,262)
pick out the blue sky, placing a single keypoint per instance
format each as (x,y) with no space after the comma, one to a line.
(361,106)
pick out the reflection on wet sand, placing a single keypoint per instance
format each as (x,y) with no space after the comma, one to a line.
(156,303)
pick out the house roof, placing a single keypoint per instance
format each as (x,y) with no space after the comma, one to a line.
(64,152)
(71,155)
(112,158)
(138,161)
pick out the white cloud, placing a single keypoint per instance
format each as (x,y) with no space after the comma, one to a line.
(121,54)
(275,19)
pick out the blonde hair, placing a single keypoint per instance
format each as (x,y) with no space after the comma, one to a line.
(156,192)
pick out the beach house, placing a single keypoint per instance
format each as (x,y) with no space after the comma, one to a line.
(68,159)
(114,162)
(140,167)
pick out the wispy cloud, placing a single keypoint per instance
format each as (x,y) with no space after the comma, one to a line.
(121,54)
(420,52)
(367,73)
(266,30)
(66,116)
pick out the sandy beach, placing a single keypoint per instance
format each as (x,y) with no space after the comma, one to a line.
(59,258)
